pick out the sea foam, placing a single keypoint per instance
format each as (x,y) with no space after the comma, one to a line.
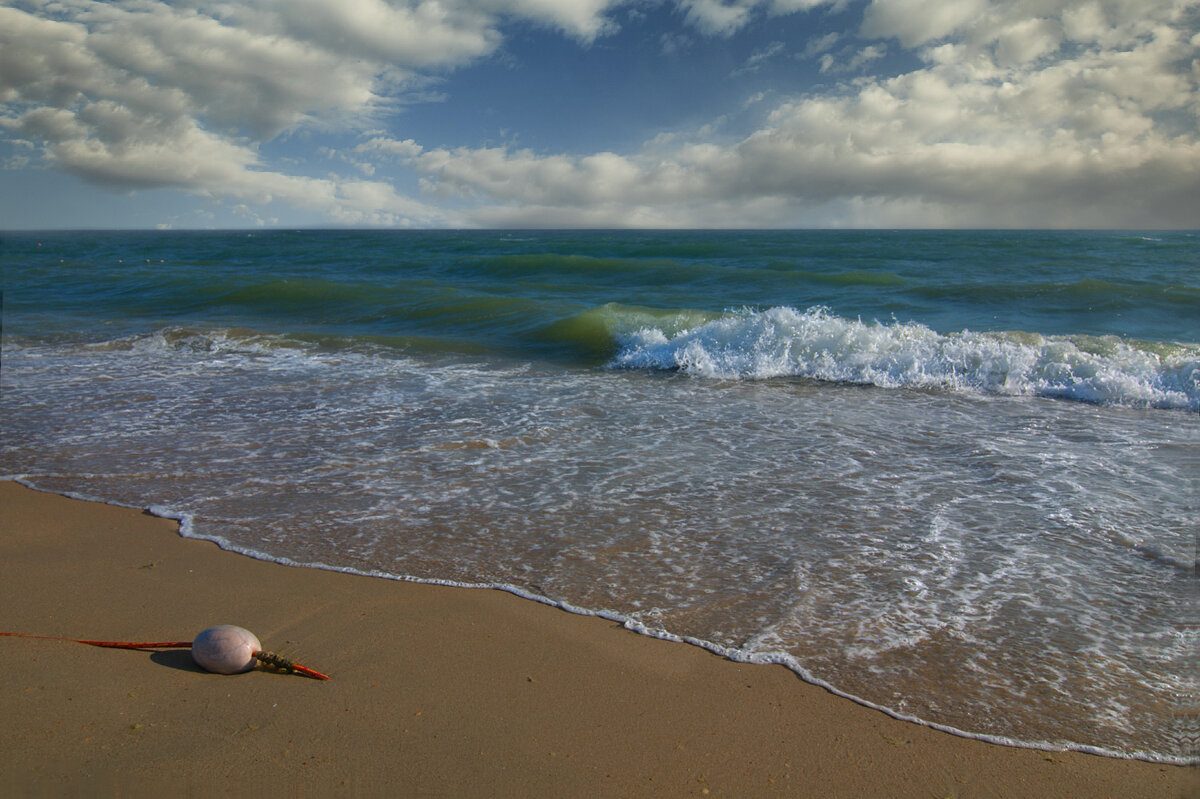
(816,344)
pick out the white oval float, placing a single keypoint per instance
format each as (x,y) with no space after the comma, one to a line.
(225,649)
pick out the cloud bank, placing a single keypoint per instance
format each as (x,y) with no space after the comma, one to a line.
(1086,118)
(1031,113)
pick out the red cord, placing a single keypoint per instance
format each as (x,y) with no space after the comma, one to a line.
(296,667)
(111,644)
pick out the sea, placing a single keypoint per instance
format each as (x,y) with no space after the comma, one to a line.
(952,475)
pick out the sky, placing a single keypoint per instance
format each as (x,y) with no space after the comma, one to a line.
(600,113)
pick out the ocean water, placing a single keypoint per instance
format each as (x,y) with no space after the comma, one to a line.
(952,475)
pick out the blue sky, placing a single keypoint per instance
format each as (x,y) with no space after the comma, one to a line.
(600,113)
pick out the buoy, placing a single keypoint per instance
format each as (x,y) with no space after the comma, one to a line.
(226,649)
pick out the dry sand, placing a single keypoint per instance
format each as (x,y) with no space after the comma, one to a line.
(436,691)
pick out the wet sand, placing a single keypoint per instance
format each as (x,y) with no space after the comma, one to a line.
(434,691)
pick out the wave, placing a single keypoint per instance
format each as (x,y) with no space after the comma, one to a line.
(779,342)
(1094,293)
(847,278)
(786,342)
(292,293)
(596,332)
(559,266)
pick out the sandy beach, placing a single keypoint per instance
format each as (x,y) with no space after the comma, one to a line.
(435,691)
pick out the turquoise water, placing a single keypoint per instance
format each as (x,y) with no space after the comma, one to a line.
(949,474)
(520,292)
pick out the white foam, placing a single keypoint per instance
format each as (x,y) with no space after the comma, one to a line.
(815,344)
(752,655)
(703,511)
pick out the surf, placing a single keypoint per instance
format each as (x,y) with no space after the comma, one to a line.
(817,344)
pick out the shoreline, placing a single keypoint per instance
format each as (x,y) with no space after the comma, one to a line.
(184,529)
(435,689)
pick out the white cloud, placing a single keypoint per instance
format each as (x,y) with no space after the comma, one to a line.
(867,55)
(392,148)
(139,93)
(420,34)
(758,57)
(715,18)
(856,60)
(1085,23)
(791,6)
(1031,112)
(915,22)
(584,19)
(983,135)
(1027,40)
(820,44)
(164,62)
(672,43)
(726,17)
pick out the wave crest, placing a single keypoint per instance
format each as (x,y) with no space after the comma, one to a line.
(786,342)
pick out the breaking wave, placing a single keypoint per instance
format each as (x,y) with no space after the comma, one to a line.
(815,344)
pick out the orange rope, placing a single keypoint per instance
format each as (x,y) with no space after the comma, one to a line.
(112,644)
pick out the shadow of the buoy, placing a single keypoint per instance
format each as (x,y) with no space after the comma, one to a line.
(180,659)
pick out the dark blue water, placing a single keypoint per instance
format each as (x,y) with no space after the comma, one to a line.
(508,288)
(950,474)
